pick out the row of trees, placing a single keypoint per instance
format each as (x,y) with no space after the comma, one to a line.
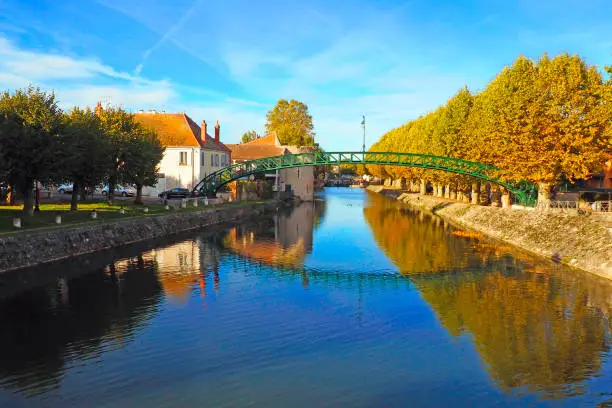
(291,121)
(40,142)
(543,121)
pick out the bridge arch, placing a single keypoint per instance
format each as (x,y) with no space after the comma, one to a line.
(210,184)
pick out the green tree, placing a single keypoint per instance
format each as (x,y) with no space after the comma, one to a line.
(143,154)
(118,125)
(86,162)
(31,120)
(249,136)
(291,122)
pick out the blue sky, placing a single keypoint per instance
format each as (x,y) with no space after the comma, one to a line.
(232,60)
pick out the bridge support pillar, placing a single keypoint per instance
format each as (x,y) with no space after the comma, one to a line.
(453,193)
(447,191)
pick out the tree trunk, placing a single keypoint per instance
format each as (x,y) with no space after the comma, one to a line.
(506,201)
(112,180)
(544,194)
(74,201)
(453,192)
(423,187)
(138,199)
(27,197)
(476,192)
(447,191)
(440,190)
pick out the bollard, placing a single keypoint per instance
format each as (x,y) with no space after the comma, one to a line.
(93,215)
(195,202)
(183,203)
(167,207)
(121,210)
(58,218)
(17,222)
(145,210)
(205,200)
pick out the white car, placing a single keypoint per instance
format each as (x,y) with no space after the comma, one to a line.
(121,191)
(65,188)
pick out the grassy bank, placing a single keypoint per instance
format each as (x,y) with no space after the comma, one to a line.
(45,218)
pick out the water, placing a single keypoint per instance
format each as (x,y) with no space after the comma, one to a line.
(348,301)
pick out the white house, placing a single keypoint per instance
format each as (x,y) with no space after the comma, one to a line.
(191,153)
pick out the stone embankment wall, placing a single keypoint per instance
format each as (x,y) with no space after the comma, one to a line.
(32,248)
(583,242)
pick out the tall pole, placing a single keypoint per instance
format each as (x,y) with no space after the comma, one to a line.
(363,124)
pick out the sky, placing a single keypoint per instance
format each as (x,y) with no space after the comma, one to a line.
(231,60)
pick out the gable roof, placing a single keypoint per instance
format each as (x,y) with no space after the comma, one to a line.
(269,139)
(178,130)
(173,129)
(246,151)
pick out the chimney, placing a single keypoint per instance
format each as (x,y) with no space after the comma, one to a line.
(217,130)
(204,129)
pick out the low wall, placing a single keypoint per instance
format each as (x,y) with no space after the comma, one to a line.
(32,248)
(578,241)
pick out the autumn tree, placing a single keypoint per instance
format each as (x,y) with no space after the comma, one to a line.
(87,147)
(249,136)
(142,156)
(291,122)
(545,121)
(31,120)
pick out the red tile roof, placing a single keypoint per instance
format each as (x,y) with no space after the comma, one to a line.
(173,129)
(246,151)
(178,130)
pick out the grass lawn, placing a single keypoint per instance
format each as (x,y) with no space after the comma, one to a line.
(45,219)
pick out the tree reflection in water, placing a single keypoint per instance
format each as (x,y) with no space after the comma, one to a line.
(537,327)
(46,328)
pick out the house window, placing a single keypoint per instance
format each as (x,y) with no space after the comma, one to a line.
(216,160)
(202,157)
(212,160)
(183,159)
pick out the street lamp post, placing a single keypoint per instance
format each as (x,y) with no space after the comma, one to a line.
(363,124)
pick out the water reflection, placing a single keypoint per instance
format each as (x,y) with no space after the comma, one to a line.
(284,240)
(537,327)
(46,329)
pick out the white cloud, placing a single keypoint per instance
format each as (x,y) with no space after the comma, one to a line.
(78,81)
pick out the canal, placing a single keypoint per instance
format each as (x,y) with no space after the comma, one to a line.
(348,301)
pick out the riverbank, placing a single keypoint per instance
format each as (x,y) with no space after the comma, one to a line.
(37,247)
(578,241)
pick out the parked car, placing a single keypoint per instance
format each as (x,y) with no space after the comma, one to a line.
(176,193)
(65,188)
(121,191)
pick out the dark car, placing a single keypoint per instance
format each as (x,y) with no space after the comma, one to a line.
(176,193)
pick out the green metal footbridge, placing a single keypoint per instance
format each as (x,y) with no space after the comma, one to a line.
(523,191)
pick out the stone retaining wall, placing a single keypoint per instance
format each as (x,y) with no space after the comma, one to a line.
(32,248)
(579,241)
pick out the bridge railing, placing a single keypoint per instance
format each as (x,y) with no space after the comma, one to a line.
(215,180)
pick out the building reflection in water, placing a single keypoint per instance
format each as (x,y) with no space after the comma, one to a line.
(536,326)
(46,329)
(283,241)
(187,265)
